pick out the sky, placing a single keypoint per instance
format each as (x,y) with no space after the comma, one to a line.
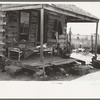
(86,28)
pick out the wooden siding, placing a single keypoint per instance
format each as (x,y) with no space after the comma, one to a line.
(51,26)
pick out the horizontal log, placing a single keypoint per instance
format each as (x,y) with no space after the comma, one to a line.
(20,7)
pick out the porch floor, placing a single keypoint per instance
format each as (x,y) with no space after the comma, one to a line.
(34,60)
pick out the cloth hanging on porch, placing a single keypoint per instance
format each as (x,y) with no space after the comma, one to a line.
(55,29)
(56,25)
(58,28)
(60,31)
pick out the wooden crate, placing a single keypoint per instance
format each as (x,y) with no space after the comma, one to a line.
(81,70)
(96,64)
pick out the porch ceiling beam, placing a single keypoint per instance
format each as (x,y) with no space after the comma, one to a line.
(78,20)
(92,20)
(82,21)
(22,7)
(85,19)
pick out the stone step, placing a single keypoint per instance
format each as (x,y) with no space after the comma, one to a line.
(12,69)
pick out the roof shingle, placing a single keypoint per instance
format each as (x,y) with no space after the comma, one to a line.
(74,9)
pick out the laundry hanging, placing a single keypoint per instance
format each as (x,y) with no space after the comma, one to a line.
(60,31)
(57,28)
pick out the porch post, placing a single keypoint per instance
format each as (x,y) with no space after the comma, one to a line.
(96,40)
(41,38)
(41,34)
(92,42)
(66,35)
(70,38)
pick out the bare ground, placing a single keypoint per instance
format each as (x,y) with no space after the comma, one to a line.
(25,76)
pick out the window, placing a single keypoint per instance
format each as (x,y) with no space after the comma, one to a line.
(24,25)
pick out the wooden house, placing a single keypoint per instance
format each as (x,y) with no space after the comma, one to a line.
(36,24)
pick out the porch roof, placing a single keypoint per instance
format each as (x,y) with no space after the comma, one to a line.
(73,13)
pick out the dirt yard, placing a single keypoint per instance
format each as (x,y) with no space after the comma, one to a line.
(26,76)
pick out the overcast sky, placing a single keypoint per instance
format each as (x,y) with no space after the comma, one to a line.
(86,28)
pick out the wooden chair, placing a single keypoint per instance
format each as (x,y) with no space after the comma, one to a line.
(12,51)
(48,50)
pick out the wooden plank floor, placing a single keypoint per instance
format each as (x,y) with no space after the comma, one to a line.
(34,61)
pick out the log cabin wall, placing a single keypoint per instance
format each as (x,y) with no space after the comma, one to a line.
(2,24)
(13,27)
(34,27)
(51,29)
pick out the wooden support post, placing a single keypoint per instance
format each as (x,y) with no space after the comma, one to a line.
(41,34)
(41,37)
(96,40)
(92,42)
(66,35)
(70,38)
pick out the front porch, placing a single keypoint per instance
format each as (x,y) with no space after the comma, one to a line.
(45,24)
(36,24)
(34,62)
